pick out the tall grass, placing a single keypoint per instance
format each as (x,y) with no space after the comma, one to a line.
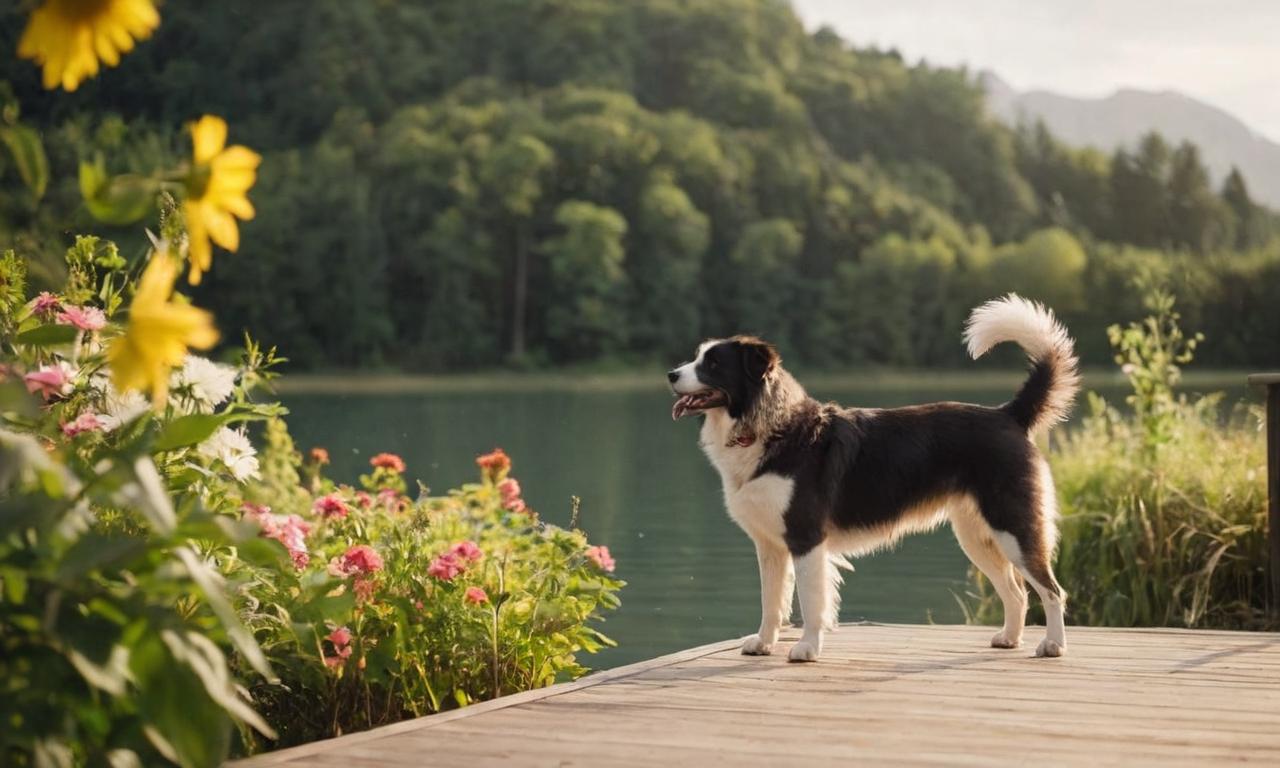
(1163,502)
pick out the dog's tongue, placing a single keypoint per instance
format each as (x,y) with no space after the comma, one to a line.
(681,407)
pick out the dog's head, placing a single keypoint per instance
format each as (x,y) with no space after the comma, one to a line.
(725,373)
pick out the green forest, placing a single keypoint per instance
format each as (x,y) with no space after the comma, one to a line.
(474,183)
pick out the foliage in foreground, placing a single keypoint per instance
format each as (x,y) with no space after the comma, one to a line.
(168,594)
(1164,505)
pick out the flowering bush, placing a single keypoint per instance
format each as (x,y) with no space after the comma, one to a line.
(399,607)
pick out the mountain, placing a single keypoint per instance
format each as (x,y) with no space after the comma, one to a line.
(1123,117)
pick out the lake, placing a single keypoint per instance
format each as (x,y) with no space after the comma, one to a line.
(647,493)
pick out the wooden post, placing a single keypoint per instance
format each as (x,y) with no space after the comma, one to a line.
(1272,382)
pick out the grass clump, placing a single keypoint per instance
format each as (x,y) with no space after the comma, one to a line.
(1163,502)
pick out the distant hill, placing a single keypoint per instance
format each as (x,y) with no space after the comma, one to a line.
(1124,116)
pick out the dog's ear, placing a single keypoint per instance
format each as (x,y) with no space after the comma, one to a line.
(758,357)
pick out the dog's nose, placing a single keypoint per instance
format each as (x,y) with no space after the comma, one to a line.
(672,376)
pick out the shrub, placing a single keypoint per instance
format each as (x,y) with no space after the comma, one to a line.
(1164,505)
(401,608)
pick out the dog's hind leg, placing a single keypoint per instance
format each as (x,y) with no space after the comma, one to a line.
(776,583)
(1039,572)
(977,541)
(814,583)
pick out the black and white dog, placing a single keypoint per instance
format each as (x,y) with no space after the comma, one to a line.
(812,483)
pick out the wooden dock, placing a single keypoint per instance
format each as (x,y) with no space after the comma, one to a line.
(881,694)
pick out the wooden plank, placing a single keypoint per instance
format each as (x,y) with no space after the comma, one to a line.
(908,695)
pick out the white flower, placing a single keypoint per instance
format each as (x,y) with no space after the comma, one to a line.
(207,383)
(119,409)
(234,450)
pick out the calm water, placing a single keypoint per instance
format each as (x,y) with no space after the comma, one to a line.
(647,492)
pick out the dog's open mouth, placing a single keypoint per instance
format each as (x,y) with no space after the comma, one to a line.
(698,402)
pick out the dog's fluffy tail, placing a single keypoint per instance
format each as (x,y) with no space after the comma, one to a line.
(1046,397)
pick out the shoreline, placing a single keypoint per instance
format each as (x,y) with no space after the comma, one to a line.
(383,383)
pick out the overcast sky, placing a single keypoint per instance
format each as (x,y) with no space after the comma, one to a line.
(1224,52)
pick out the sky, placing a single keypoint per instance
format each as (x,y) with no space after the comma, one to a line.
(1224,52)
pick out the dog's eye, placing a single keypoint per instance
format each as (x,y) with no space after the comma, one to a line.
(711,364)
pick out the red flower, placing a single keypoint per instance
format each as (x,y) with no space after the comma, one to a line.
(340,637)
(475,596)
(601,557)
(466,550)
(360,558)
(510,490)
(494,465)
(445,567)
(364,500)
(331,505)
(388,461)
(319,455)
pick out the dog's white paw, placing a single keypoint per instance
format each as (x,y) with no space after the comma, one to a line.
(803,651)
(1003,639)
(756,646)
(1051,648)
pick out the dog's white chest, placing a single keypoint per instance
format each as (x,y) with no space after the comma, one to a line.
(756,504)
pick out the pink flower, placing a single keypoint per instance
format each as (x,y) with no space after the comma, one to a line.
(330,505)
(319,455)
(50,381)
(466,550)
(389,498)
(388,461)
(84,318)
(85,422)
(359,559)
(601,557)
(289,530)
(475,596)
(340,637)
(445,567)
(510,490)
(494,465)
(363,500)
(45,304)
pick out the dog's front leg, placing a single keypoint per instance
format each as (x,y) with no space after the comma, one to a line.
(813,582)
(775,597)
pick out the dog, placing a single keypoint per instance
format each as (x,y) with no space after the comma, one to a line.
(815,483)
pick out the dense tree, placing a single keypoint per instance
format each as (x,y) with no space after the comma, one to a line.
(468,183)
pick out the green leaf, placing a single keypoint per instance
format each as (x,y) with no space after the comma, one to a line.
(211,585)
(48,336)
(196,428)
(28,155)
(188,430)
(177,715)
(94,551)
(116,200)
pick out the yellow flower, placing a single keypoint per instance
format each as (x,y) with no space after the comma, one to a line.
(216,192)
(158,333)
(68,37)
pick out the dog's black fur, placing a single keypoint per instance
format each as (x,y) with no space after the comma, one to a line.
(861,468)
